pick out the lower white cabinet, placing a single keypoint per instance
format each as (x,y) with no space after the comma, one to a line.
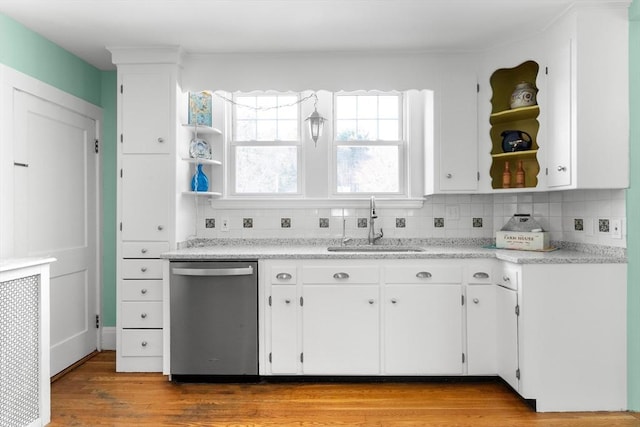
(283,304)
(481,329)
(340,329)
(507,335)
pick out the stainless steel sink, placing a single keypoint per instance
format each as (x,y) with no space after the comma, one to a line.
(375,248)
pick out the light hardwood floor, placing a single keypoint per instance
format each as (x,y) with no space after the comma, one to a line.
(94,395)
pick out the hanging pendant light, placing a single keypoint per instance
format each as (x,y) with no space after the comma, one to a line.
(316,122)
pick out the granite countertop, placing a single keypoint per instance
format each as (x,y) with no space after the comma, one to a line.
(230,249)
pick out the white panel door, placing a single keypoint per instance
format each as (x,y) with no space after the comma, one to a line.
(284,330)
(56,199)
(481,329)
(340,329)
(507,335)
(423,330)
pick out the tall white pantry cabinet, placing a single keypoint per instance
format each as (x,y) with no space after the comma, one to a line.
(148,196)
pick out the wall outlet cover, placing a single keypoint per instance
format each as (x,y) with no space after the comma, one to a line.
(616,228)
(224,224)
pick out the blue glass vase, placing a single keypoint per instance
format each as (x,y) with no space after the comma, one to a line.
(199,182)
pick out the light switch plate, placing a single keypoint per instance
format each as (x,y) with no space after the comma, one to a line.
(224,224)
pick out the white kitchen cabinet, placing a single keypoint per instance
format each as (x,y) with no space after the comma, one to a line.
(507,335)
(451,144)
(480,305)
(284,354)
(422,329)
(340,329)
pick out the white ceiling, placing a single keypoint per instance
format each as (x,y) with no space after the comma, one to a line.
(85,27)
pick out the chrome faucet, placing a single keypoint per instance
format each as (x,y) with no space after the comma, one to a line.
(373,236)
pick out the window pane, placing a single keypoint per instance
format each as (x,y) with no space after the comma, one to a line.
(266,169)
(267,130)
(367,107)
(388,107)
(245,130)
(346,130)
(368,130)
(242,110)
(288,130)
(268,104)
(346,107)
(388,130)
(288,109)
(368,169)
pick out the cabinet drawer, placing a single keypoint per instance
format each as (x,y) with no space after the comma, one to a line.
(142,314)
(285,275)
(509,277)
(423,274)
(340,274)
(142,343)
(144,249)
(141,290)
(142,269)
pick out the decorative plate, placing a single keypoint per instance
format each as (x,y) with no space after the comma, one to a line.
(200,149)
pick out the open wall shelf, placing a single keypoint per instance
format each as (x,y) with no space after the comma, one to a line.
(504,118)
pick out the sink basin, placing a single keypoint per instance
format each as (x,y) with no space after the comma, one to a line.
(375,248)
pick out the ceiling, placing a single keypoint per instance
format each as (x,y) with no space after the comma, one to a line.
(85,27)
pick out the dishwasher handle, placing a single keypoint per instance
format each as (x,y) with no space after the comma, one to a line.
(245,271)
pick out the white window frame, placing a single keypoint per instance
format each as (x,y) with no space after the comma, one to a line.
(402,145)
(233,144)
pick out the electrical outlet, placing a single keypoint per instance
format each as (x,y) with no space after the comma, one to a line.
(224,226)
(616,229)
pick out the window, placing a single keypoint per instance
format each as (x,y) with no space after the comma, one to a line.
(265,149)
(368,145)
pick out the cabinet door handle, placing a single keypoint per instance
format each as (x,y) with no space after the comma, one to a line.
(339,276)
(283,276)
(143,291)
(394,301)
(143,343)
(423,275)
(481,275)
(143,250)
(287,301)
(506,278)
(476,300)
(143,315)
(161,140)
(562,168)
(160,228)
(143,269)
(449,176)
(371,301)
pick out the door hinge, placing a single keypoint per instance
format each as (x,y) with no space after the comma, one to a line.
(121,88)
(462,299)
(270,358)
(463,358)
(120,226)
(478,87)
(478,173)
(301,357)
(517,310)
(301,301)
(97,146)
(546,171)
(97,321)
(518,373)
(120,173)
(121,138)
(270,306)
(546,70)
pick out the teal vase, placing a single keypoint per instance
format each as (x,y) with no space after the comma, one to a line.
(199,182)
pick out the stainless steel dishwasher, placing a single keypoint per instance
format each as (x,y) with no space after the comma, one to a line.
(214,320)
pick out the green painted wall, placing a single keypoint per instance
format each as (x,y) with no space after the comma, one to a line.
(32,54)
(633,211)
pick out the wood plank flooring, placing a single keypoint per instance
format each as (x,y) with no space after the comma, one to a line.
(95,395)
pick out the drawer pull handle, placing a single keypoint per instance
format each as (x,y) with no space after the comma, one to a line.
(371,301)
(143,315)
(287,301)
(144,343)
(506,278)
(283,276)
(143,269)
(143,291)
(394,301)
(339,276)
(481,275)
(143,250)
(423,275)
(476,300)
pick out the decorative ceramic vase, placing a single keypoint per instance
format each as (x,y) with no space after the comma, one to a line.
(515,140)
(524,95)
(199,182)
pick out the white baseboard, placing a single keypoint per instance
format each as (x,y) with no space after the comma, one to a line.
(108,338)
